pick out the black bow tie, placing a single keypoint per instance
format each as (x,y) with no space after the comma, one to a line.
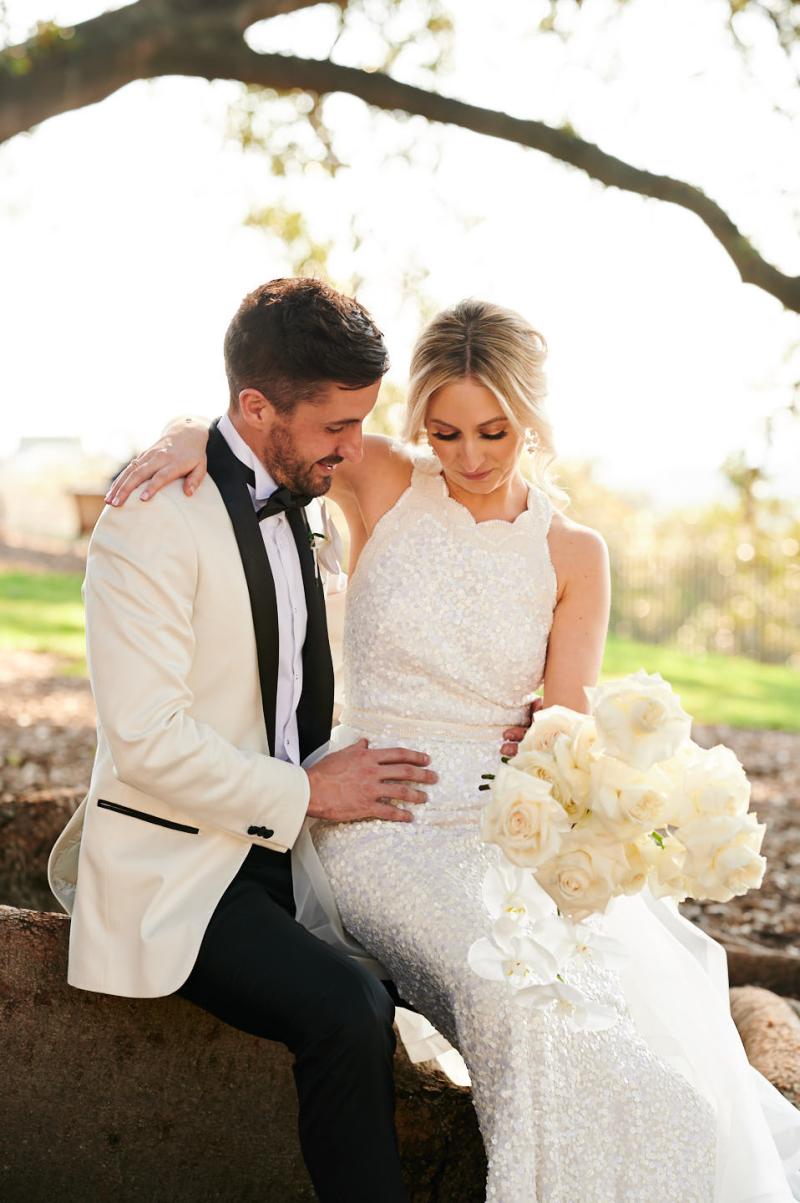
(280,501)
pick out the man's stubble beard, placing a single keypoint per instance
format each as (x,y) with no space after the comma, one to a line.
(281,457)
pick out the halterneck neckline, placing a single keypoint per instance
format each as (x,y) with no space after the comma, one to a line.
(429,468)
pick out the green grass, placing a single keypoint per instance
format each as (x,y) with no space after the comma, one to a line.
(43,613)
(713,688)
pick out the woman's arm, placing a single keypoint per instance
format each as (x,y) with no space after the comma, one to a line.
(364,490)
(580,622)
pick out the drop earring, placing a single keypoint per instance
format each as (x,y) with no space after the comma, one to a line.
(531,441)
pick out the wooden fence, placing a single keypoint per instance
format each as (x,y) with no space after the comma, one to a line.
(699,603)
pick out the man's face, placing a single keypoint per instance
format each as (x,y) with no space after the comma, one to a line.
(302,450)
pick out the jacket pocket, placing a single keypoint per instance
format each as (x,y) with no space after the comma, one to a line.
(140,814)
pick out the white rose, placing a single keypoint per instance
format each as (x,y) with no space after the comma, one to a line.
(707,781)
(574,776)
(543,767)
(665,859)
(585,743)
(626,799)
(723,858)
(582,879)
(546,725)
(674,769)
(634,878)
(523,818)
(639,719)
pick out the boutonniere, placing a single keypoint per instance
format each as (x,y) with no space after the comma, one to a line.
(325,542)
(313,536)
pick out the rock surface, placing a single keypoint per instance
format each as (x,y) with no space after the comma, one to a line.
(134,1099)
(151,1099)
(770,1032)
(28,829)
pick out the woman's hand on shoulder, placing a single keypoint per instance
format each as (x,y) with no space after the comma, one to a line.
(180,452)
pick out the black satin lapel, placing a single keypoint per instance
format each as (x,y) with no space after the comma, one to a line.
(298,521)
(315,708)
(223,470)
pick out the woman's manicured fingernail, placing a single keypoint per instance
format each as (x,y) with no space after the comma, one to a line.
(144,496)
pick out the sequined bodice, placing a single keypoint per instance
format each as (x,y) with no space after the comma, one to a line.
(446,635)
(448,619)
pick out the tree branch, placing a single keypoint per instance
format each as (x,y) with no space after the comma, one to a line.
(184,37)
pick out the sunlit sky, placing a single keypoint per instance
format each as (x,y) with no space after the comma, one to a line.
(124,249)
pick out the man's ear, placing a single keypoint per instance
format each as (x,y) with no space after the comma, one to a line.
(256,410)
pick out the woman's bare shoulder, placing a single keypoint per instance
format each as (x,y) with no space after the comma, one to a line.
(573,536)
(388,452)
(577,551)
(385,461)
(371,486)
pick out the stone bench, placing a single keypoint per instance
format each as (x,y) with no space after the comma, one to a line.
(153,1101)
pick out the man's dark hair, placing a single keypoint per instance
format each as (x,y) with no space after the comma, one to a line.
(289,337)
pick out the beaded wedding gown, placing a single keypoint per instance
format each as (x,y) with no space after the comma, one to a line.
(445,638)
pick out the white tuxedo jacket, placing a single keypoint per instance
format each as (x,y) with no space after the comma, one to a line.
(183,783)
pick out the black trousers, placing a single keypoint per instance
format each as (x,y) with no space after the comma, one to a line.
(261,972)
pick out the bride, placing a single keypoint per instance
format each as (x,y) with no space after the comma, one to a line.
(469,590)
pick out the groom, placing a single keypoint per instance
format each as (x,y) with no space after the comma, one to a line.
(211,671)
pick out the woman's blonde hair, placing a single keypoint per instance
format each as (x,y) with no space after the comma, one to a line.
(496,347)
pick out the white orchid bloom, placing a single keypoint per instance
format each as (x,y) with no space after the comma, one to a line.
(514,892)
(580,1013)
(508,955)
(589,941)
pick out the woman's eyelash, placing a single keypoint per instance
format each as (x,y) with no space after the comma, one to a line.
(448,438)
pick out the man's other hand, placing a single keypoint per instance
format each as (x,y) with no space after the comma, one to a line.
(514,735)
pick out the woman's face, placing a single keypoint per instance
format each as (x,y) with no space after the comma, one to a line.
(478,447)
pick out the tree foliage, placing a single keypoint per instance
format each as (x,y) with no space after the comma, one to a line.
(57,69)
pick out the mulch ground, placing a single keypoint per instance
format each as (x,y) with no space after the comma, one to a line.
(47,744)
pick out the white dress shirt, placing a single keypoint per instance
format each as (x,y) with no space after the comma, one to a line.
(289,593)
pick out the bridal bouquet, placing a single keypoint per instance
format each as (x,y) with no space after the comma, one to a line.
(600,805)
